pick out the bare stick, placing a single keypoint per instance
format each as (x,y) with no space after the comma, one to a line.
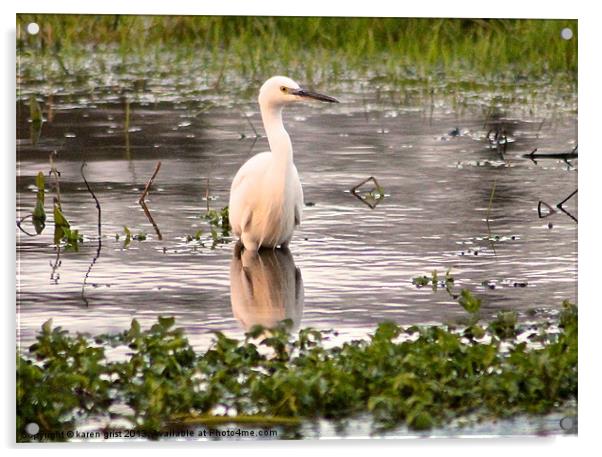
(94,197)
(354,192)
(98,249)
(356,187)
(568,214)
(20,221)
(54,171)
(151,220)
(149,183)
(559,205)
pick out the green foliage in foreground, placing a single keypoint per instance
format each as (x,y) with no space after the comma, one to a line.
(419,376)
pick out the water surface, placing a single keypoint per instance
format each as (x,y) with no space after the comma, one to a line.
(350,265)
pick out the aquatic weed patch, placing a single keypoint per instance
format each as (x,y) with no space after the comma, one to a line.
(257,44)
(422,377)
(220,59)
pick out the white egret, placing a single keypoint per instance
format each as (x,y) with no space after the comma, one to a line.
(266,198)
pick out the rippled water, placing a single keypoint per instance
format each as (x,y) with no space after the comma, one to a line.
(350,266)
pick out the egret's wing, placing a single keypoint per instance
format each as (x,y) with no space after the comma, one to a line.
(298,198)
(250,168)
(243,185)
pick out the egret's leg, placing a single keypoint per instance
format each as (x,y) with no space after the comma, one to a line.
(285,243)
(237,249)
(248,241)
(248,260)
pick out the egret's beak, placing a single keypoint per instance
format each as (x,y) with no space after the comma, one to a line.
(315,95)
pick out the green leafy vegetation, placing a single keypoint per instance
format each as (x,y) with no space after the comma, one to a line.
(403,58)
(141,236)
(419,377)
(196,237)
(447,282)
(63,231)
(219,223)
(469,302)
(465,298)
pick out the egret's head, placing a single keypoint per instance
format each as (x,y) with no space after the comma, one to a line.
(280,90)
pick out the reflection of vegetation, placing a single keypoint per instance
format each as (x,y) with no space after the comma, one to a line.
(39,214)
(36,119)
(422,377)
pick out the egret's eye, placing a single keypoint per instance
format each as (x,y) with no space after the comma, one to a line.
(283,89)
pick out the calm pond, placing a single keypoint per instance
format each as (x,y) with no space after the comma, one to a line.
(350,264)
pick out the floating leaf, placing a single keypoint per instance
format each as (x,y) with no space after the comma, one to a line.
(72,239)
(128,236)
(421,281)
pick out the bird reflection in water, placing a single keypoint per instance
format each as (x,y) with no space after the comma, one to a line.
(265,287)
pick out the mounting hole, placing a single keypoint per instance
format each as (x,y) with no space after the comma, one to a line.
(566,33)
(32,428)
(33,28)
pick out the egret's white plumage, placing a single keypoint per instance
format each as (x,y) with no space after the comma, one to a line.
(266,197)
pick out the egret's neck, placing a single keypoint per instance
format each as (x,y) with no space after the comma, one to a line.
(280,142)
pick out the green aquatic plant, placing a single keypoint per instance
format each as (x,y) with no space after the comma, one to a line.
(196,237)
(469,302)
(447,282)
(218,220)
(63,231)
(128,236)
(72,239)
(312,47)
(141,236)
(419,377)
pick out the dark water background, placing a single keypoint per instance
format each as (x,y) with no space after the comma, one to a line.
(431,156)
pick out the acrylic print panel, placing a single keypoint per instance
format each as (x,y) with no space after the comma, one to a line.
(418,273)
